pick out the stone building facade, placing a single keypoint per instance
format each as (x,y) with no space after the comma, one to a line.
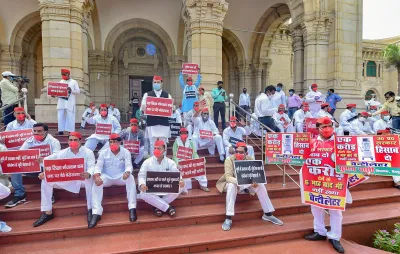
(114,47)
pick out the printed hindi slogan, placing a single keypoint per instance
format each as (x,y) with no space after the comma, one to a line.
(378,155)
(63,170)
(192,168)
(162,182)
(13,139)
(248,172)
(57,89)
(190,68)
(287,148)
(20,161)
(44,150)
(233,141)
(159,106)
(184,153)
(175,128)
(132,146)
(310,127)
(204,134)
(103,128)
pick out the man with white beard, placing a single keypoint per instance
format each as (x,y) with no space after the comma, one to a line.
(382,123)
(346,116)
(360,126)
(300,115)
(313,97)
(233,131)
(90,110)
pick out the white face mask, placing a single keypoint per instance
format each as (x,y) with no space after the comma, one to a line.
(362,119)
(386,118)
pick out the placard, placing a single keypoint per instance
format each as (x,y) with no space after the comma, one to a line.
(13,139)
(233,141)
(57,89)
(287,148)
(158,106)
(356,179)
(202,103)
(175,128)
(64,170)
(310,126)
(103,128)
(204,134)
(162,182)
(248,172)
(132,146)
(192,168)
(378,155)
(184,153)
(190,68)
(20,161)
(44,150)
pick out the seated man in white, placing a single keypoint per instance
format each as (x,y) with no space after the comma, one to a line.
(282,120)
(75,150)
(113,167)
(188,119)
(22,121)
(159,162)
(176,116)
(228,183)
(184,141)
(233,131)
(103,118)
(360,126)
(300,115)
(90,110)
(382,123)
(204,123)
(112,110)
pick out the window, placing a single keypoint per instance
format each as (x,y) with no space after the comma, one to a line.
(371,69)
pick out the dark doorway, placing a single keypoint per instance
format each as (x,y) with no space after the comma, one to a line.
(140,85)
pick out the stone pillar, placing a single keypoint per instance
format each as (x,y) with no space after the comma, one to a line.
(85,49)
(298,61)
(175,66)
(100,65)
(204,25)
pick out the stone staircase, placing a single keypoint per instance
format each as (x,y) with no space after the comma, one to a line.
(197,226)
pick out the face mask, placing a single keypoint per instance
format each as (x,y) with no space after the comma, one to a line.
(112,108)
(184,137)
(114,147)
(134,128)
(103,113)
(190,83)
(291,93)
(21,117)
(64,77)
(239,156)
(269,96)
(244,91)
(196,108)
(353,110)
(156,86)
(373,111)
(91,107)
(328,93)
(74,144)
(281,111)
(38,137)
(233,125)
(157,153)
(278,89)
(219,87)
(362,119)
(327,132)
(201,92)
(306,109)
(205,118)
(386,118)
(391,99)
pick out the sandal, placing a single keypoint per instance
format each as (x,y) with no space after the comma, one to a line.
(171,211)
(158,212)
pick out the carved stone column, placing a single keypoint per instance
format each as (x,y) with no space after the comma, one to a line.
(175,66)
(100,66)
(298,60)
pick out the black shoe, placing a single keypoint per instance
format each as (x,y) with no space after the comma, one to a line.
(132,214)
(82,128)
(397,187)
(15,201)
(93,222)
(89,216)
(60,133)
(53,200)
(315,237)
(43,219)
(134,165)
(337,246)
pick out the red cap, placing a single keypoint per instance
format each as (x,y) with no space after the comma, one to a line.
(133,120)
(383,131)
(180,105)
(373,107)
(157,78)
(233,118)
(364,114)
(183,129)
(65,71)
(385,112)
(323,105)
(19,109)
(240,144)
(104,105)
(196,103)
(281,106)
(314,85)
(114,136)
(351,105)
(159,143)
(112,104)
(205,110)
(76,134)
(189,79)
(324,120)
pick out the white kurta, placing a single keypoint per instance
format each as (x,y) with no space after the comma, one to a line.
(200,143)
(4,191)
(66,108)
(238,134)
(280,123)
(380,125)
(115,112)
(86,115)
(255,126)
(298,118)
(343,120)
(371,120)
(55,145)
(360,128)
(94,139)
(314,99)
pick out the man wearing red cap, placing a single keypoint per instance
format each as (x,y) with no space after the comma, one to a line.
(103,118)
(347,116)
(22,121)
(300,115)
(189,90)
(133,133)
(324,112)
(113,167)
(382,123)
(113,111)
(325,142)
(228,183)
(159,163)
(360,126)
(75,150)
(188,118)
(66,106)
(282,120)
(206,96)
(157,127)
(233,134)
(90,110)
(314,99)
(204,123)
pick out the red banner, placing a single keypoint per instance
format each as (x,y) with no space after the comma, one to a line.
(287,148)
(379,155)
(132,146)
(158,106)
(63,170)
(206,134)
(356,179)
(184,153)
(103,128)
(20,161)
(14,139)
(192,168)
(44,150)
(190,68)
(310,126)
(57,89)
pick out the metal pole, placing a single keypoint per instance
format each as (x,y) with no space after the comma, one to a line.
(262,144)
(284,175)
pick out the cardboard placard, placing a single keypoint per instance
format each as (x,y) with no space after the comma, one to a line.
(57,89)
(20,161)
(203,103)
(44,150)
(132,146)
(310,127)
(233,141)
(190,68)
(204,134)
(184,153)
(158,106)
(103,128)
(64,170)
(13,139)
(248,172)
(162,182)
(192,168)
(356,179)
(175,128)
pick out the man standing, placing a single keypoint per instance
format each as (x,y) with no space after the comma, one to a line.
(206,96)
(9,94)
(332,99)
(134,104)
(75,150)
(228,183)
(23,121)
(90,110)
(189,91)
(294,103)
(113,167)
(159,163)
(313,97)
(233,131)
(244,101)
(157,126)
(219,96)
(112,110)
(264,109)
(346,117)
(279,96)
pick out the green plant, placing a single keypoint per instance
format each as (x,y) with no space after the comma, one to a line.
(387,241)
(392,56)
